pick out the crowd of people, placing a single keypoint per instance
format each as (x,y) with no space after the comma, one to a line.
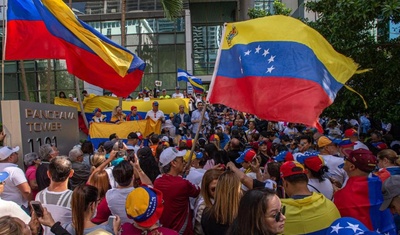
(243,175)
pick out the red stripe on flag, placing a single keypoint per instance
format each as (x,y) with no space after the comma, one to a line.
(30,39)
(94,70)
(273,98)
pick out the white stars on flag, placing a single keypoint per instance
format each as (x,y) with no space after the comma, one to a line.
(271,59)
(261,57)
(266,52)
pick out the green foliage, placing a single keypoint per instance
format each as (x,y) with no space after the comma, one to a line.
(359,29)
(279,9)
(172,8)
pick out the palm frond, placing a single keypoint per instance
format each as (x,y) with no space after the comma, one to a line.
(172,8)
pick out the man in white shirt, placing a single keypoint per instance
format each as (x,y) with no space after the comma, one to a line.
(177,93)
(8,207)
(16,186)
(155,114)
(196,116)
(57,197)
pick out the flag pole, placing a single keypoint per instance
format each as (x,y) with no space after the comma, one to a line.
(3,37)
(188,165)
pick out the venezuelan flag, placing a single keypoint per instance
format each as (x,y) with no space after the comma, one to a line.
(279,69)
(187,77)
(361,199)
(48,29)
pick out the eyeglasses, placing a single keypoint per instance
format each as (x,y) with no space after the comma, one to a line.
(279,214)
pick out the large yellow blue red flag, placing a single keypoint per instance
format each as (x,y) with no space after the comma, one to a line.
(279,69)
(48,29)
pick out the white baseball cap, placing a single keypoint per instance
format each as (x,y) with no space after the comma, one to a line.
(169,154)
(6,151)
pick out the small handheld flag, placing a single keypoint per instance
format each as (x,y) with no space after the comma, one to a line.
(195,82)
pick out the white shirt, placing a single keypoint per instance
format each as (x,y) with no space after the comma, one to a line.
(15,178)
(177,95)
(333,163)
(360,145)
(325,187)
(155,116)
(14,210)
(196,115)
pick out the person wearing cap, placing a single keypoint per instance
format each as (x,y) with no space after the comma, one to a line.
(177,93)
(306,212)
(196,116)
(391,198)
(330,153)
(117,115)
(177,214)
(361,197)
(181,121)
(16,187)
(164,95)
(196,171)
(140,96)
(168,127)
(133,116)
(245,159)
(98,116)
(352,134)
(316,170)
(145,206)
(155,114)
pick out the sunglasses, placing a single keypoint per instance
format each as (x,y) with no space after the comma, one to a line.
(280,213)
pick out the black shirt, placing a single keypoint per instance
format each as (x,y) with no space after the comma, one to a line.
(43,181)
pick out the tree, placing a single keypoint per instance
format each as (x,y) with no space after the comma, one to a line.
(172,8)
(359,29)
(279,9)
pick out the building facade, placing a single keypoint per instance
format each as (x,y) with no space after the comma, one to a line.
(189,42)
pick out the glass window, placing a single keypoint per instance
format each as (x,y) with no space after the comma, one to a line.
(206,41)
(167,58)
(166,39)
(266,5)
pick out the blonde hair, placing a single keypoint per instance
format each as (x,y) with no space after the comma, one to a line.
(391,156)
(101,181)
(227,190)
(208,177)
(10,226)
(96,160)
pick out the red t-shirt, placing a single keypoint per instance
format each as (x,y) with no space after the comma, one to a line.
(176,192)
(129,229)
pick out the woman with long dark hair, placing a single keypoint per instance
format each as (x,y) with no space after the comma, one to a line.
(260,213)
